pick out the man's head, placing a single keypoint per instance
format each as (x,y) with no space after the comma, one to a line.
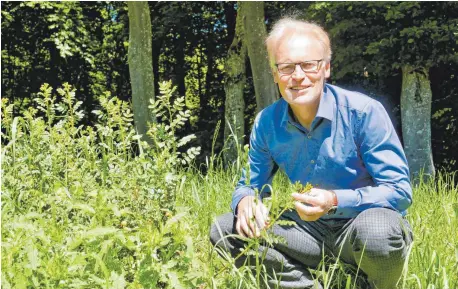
(299,54)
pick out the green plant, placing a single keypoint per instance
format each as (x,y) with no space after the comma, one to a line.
(82,207)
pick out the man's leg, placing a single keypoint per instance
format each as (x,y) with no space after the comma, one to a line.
(289,261)
(377,240)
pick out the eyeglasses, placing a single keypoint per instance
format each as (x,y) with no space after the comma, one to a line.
(311,66)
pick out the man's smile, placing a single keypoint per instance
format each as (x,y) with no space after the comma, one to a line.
(299,88)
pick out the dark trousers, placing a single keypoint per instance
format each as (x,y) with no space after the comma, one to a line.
(377,240)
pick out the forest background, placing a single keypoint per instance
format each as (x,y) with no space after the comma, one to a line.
(68,157)
(86,45)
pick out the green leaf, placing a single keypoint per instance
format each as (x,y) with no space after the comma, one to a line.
(117,281)
(100,231)
(32,255)
(84,207)
(455,209)
(175,281)
(5,283)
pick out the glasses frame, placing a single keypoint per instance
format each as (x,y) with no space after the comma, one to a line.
(318,65)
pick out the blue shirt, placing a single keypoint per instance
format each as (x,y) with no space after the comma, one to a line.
(352,148)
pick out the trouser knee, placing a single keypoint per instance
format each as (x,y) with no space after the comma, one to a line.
(381,235)
(222,227)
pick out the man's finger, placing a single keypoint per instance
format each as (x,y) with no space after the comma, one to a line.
(241,225)
(244,225)
(308,210)
(265,213)
(306,198)
(238,229)
(260,220)
(252,226)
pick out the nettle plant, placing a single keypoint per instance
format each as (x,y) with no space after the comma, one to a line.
(166,145)
(93,206)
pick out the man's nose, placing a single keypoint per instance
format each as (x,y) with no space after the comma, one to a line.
(298,73)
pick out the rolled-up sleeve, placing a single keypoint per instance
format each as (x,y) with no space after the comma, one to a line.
(261,166)
(385,160)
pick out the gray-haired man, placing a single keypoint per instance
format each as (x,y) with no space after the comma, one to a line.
(341,142)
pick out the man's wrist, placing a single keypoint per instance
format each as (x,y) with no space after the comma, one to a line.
(334,202)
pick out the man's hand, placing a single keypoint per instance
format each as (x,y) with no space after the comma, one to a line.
(252,217)
(314,204)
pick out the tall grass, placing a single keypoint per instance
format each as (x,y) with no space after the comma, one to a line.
(95,207)
(433,257)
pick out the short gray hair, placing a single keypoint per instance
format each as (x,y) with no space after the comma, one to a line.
(288,26)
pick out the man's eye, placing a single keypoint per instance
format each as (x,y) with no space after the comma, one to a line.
(287,67)
(308,65)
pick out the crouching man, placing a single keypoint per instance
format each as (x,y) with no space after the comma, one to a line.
(341,142)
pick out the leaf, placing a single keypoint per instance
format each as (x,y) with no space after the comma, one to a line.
(100,231)
(5,283)
(175,281)
(175,219)
(32,255)
(455,209)
(117,281)
(84,207)
(189,247)
(148,277)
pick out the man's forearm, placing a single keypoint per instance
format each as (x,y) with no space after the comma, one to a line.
(352,202)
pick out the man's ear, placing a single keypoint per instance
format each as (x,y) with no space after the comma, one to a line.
(327,70)
(274,74)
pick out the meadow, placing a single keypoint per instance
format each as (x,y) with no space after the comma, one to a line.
(97,207)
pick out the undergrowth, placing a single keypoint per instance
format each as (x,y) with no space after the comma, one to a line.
(97,207)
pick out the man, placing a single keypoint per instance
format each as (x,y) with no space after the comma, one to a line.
(341,142)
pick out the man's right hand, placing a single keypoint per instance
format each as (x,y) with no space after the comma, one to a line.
(252,217)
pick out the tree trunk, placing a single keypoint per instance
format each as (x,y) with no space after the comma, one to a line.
(205,109)
(141,64)
(179,66)
(234,83)
(416,98)
(156,53)
(255,34)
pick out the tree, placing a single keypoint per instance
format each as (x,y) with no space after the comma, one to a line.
(416,119)
(55,42)
(234,84)
(141,64)
(254,37)
(250,34)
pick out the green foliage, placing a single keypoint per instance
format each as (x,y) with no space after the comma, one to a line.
(85,43)
(382,36)
(54,42)
(81,209)
(173,117)
(95,207)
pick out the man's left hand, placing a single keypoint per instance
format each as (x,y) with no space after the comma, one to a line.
(313,204)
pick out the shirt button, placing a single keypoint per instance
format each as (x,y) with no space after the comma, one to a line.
(309,136)
(312,161)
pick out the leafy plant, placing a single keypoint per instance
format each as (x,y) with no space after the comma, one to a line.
(82,207)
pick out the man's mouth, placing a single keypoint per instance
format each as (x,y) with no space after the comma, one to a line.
(297,88)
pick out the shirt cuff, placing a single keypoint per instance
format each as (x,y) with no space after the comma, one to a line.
(238,195)
(347,200)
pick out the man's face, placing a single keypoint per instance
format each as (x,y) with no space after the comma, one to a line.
(299,87)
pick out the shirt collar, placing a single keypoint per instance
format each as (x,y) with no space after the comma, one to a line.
(326,108)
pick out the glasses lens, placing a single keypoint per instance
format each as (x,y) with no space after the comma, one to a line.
(286,68)
(309,66)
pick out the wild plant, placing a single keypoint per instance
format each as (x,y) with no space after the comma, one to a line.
(93,206)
